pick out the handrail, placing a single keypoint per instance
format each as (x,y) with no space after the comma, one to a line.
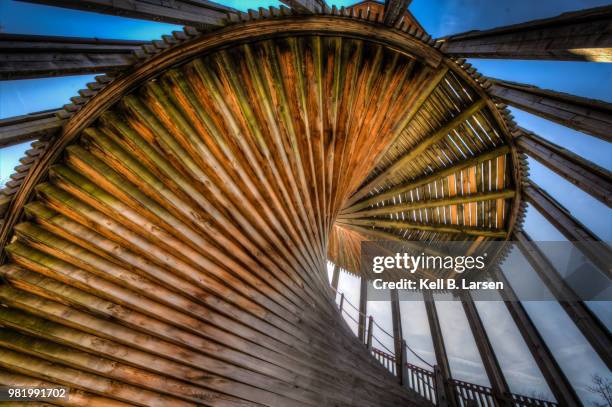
(422,380)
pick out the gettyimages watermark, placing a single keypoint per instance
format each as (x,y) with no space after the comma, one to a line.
(487,271)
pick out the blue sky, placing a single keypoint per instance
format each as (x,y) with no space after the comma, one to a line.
(440,18)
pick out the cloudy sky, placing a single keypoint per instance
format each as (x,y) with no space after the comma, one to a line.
(440,18)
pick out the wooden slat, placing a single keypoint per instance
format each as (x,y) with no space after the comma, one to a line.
(584,35)
(394,11)
(485,349)
(452,229)
(34,56)
(198,13)
(14,130)
(590,116)
(431,203)
(597,251)
(418,149)
(307,6)
(590,326)
(591,178)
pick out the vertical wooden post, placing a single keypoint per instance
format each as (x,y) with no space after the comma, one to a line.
(554,376)
(496,377)
(396,320)
(370,332)
(363,305)
(341,302)
(445,394)
(589,325)
(404,365)
(335,277)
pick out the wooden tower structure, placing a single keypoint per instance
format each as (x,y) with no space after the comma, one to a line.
(165,240)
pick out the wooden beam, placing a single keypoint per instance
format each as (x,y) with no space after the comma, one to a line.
(363,307)
(555,378)
(19,129)
(594,249)
(431,203)
(437,338)
(335,277)
(590,116)
(398,338)
(584,35)
(591,178)
(35,56)
(590,326)
(418,149)
(199,14)
(448,228)
(501,391)
(394,11)
(441,173)
(306,6)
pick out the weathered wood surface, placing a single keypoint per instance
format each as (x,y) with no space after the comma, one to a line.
(177,249)
(19,129)
(199,13)
(394,11)
(307,6)
(597,251)
(590,116)
(584,35)
(34,56)
(591,178)
(557,382)
(591,327)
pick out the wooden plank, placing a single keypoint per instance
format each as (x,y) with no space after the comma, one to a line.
(363,308)
(431,203)
(19,129)
(436,175)
(584,35)
(394,11)
(555,378)
(35,56)
(458,228)
(591,178)
(398,337)
(590,116)
(418,149)
(597,251)
(500,387)
(307,6)
(198,13)
(590,326)
(335,277)
(437,339)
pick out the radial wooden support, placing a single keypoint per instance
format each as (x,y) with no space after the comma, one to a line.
(452,229)
(412,153)
(19,129)
(555,378)
(394,11)
(598,252)
(448,398)
(487,354)
(181,237)
(430,203)
(200,13)
(590,116)
(591,178)
(424,180)
(584,35)
(590,326)
(34,56)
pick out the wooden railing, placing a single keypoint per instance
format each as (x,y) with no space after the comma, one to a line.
(423,381)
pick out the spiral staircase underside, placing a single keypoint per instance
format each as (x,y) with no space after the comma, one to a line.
(174,244)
